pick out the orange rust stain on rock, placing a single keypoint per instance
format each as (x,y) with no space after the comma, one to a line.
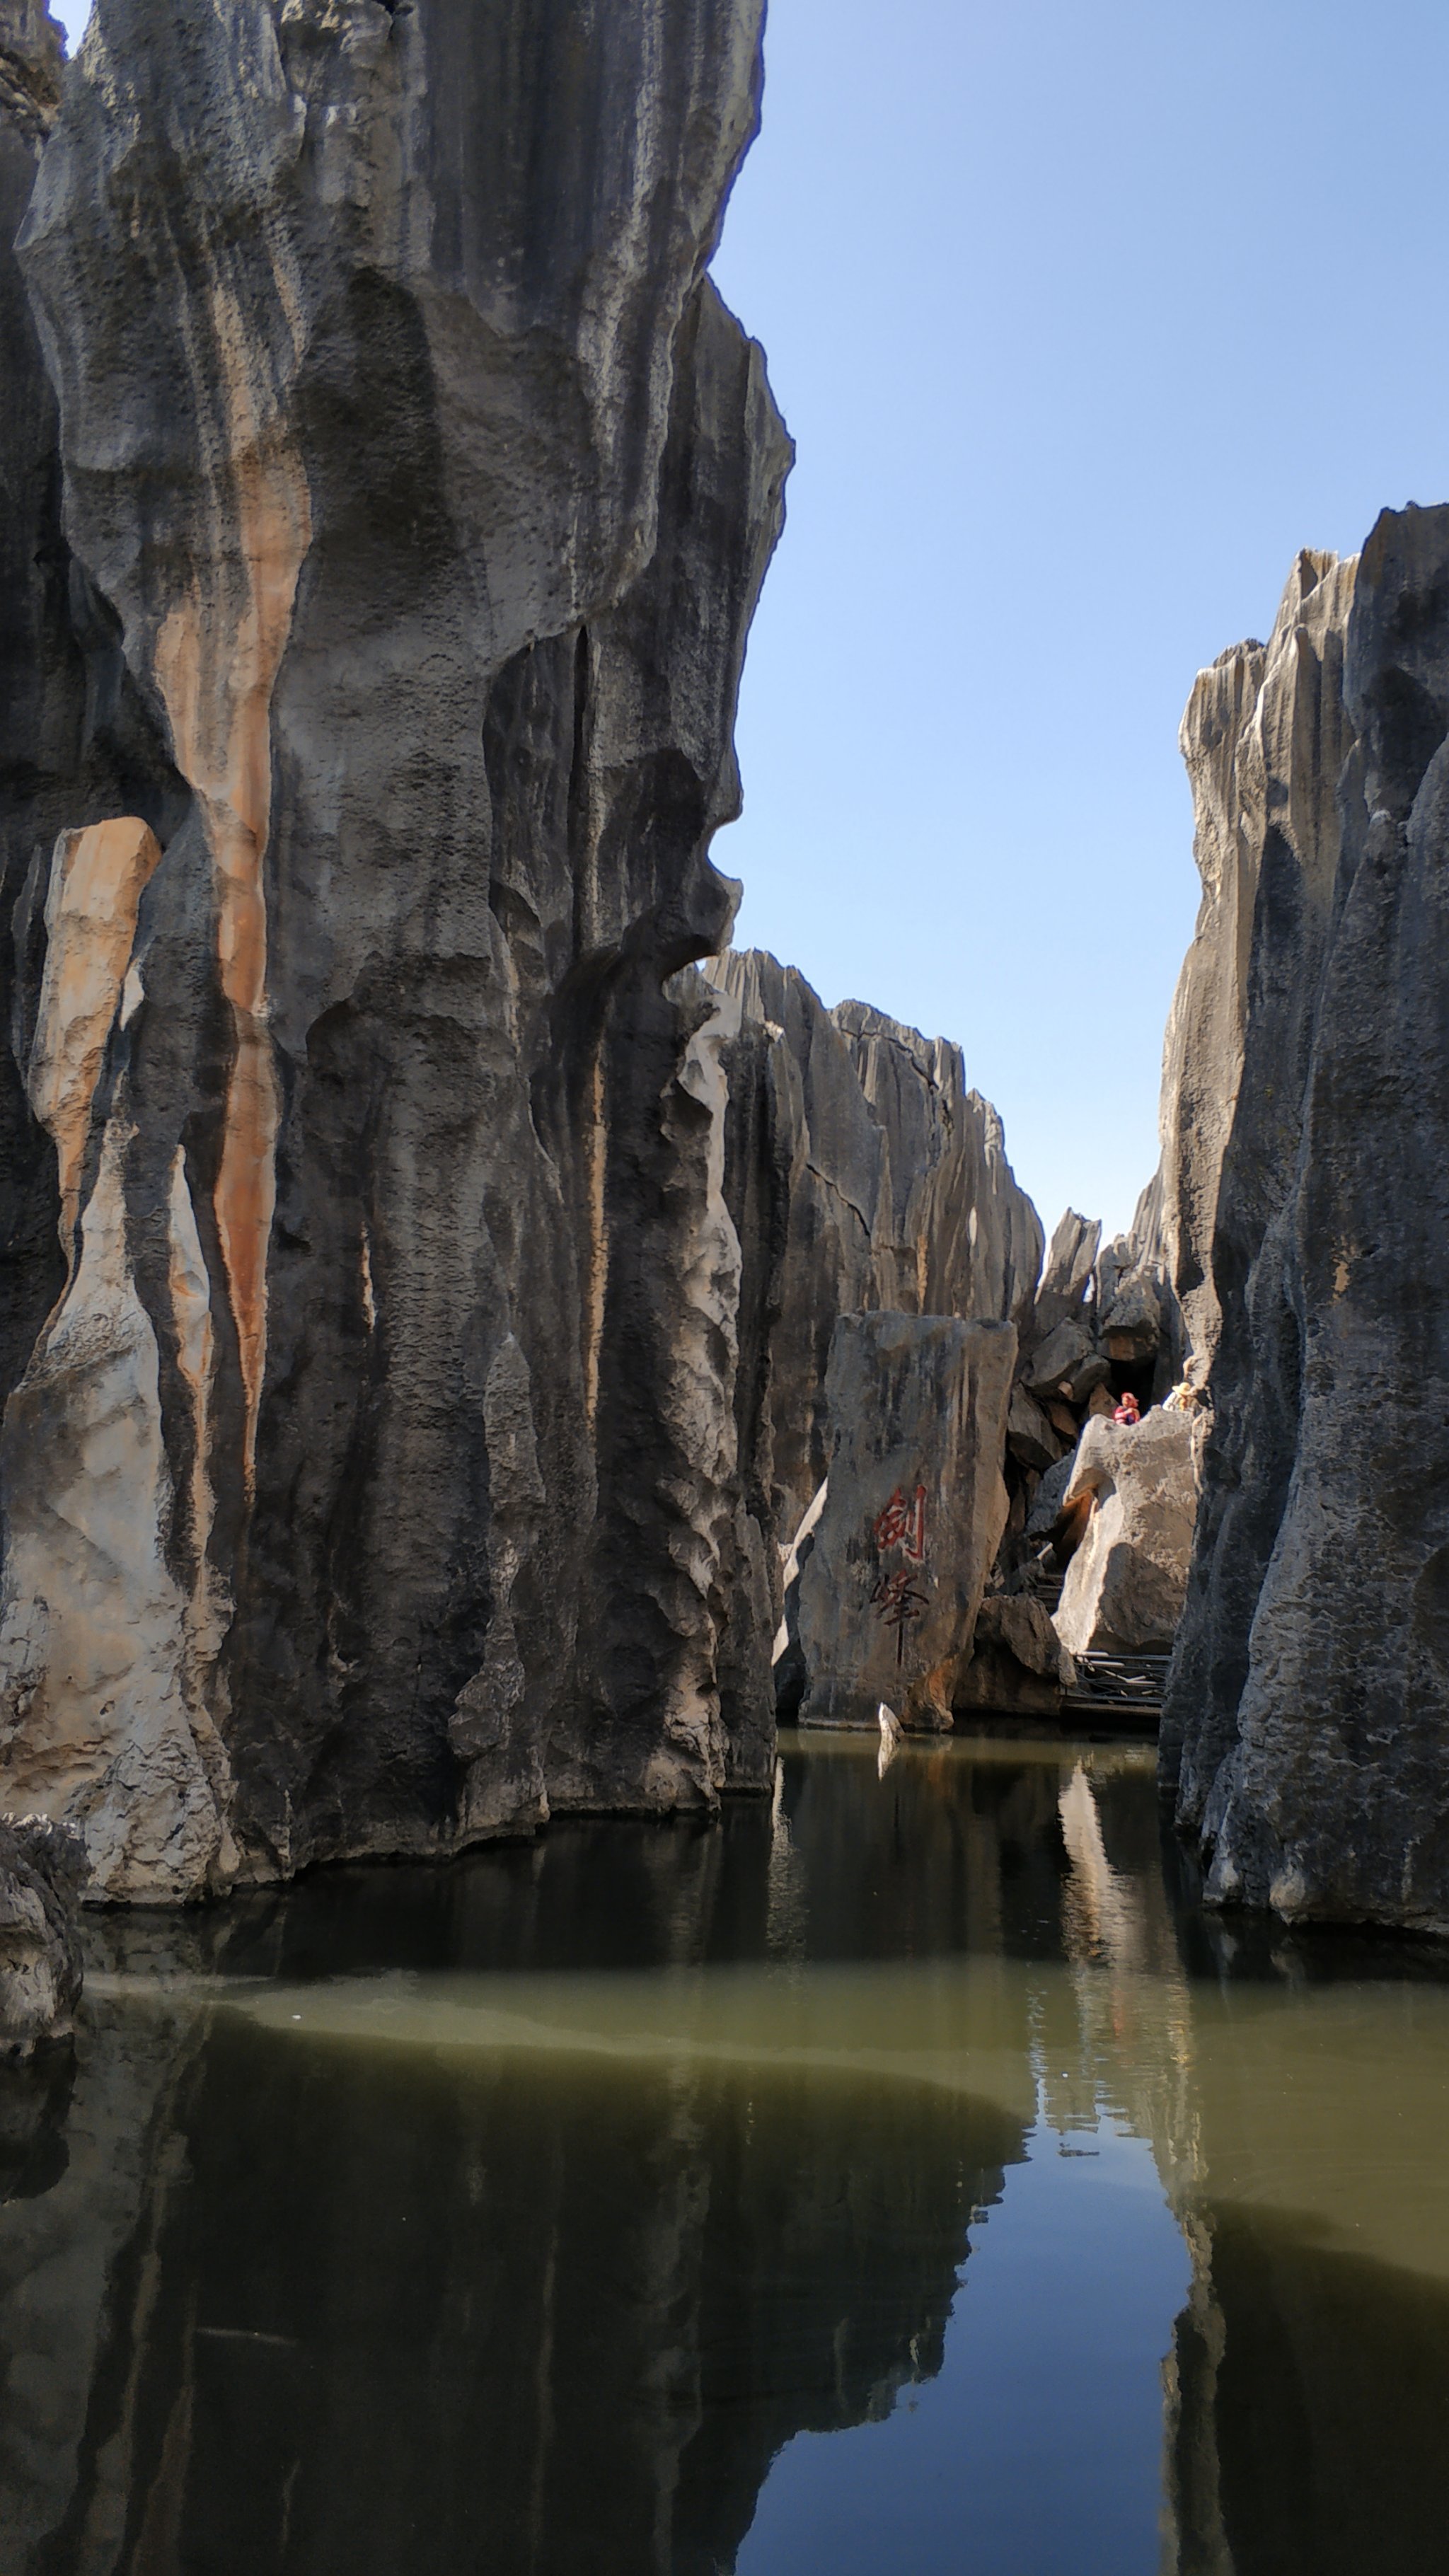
(217,656)
(97,879)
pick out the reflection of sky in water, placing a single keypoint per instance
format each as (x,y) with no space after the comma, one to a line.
(1038,2446)
(1037,2451)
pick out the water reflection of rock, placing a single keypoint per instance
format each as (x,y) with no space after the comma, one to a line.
(559,2311)
(450,2323)
(1308,2389)
(343,2303)
(77,2244)
(1123,2042)
(1310,2408)
(944,1854)
(537,2312)
(1307,2392)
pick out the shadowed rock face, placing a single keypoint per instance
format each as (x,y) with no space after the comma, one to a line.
(373,1454)
(42,1872)
(1306,1715)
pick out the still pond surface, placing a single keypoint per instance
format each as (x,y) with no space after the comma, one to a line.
(905,2179)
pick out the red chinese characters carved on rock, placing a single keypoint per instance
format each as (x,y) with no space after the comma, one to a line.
(901,1525)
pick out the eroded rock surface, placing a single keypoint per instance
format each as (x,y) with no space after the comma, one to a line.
(1124,1586)
(893,1193)
(1264,737)
(1019,1666)
(1306,1715)
(912,1517)
(378,1470)
(42,1873)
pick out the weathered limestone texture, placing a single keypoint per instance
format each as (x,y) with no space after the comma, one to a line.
(1264,737)
(381,1463)
(1019,1666)
(42,1873)
(894,1190)
(1306,1721)
(1124,1586)
(912,1519)
(1104,1322)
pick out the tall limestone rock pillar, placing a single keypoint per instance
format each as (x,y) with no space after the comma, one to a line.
(1266,735)
(372,1473)
(1310,1706)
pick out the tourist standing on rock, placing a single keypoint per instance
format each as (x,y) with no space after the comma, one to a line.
(1127,1408)
(1184,1396)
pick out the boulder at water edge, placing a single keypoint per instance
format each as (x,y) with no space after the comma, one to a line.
(1019,1666)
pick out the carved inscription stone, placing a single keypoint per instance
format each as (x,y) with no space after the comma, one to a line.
(912,1518)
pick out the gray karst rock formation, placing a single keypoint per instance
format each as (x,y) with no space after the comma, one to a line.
(1019,1666)
(419,1279)
(1264,738)
(1103,1320)
(1125,1583)
(42,1874)
(422,1240)
(913,1514)
(893,1192)
(1305,1726)
(387,517)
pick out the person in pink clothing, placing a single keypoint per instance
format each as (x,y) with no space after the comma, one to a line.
(1127,1409)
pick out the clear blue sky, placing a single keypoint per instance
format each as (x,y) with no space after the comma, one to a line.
(1084,321)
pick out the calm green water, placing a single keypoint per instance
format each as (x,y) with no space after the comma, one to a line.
(904,2181)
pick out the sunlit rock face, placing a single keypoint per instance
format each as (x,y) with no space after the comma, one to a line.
(1124,1585)
(892,1192)
(1306,1718)
(913,1514)
(1264,738)
(372,1456)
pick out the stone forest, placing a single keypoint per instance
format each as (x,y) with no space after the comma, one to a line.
(501,1382)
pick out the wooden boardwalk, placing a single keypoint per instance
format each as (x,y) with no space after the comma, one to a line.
(1118,1690)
